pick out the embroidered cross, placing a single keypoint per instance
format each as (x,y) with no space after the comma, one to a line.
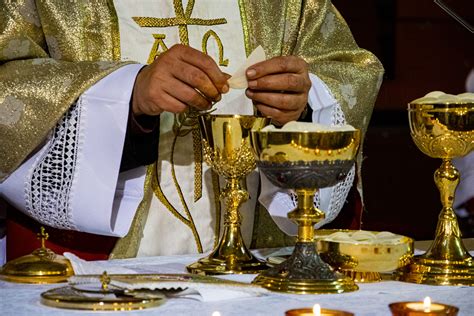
(182,20)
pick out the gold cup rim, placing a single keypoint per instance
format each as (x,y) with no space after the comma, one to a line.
(350,132)
(439,106)
(232,115)
(325,311)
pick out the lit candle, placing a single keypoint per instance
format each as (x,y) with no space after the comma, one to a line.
(425,308)
(316,311)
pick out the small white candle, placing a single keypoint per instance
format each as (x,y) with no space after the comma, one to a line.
(216,313)
(316,310)
(426,306)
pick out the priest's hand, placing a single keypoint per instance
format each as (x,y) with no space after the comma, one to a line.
(179,78)
(279,87)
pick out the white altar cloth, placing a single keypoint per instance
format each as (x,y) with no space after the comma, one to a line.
(372,299)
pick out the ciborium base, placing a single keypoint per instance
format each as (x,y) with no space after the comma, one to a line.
(304,273)
(438,272)
(362,277)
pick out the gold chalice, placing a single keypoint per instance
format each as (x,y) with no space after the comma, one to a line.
(305,162)
(443,131)
(226,147)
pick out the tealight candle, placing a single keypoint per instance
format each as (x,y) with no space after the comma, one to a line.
(425,308)
(316,311)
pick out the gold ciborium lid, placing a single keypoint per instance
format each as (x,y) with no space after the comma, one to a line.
(41,266)
(364,255)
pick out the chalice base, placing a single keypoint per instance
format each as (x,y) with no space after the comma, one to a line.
(425,270)
(213,266)
(305,273)
(229,257)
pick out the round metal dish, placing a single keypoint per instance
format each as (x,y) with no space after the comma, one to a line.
(70,298)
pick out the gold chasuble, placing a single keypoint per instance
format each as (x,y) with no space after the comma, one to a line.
(51,51)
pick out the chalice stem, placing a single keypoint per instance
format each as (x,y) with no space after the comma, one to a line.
(446,178)
(234,195)
(447,244)
(306,215)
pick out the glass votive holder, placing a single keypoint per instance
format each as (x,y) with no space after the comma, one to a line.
(420,309)
(310,312)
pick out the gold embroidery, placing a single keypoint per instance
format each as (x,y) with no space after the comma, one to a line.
(115,30)
(197,145)
(205,39)
(217,191)
(182,20)
(243,18)
(161,196)
(159,47)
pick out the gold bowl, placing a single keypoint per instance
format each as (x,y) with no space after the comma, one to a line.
(351,254)
(294,160)
(442,130)
(305,161)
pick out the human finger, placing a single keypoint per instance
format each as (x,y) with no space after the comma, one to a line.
(277,115)
(187,95)
(275,65)
(207,65)
(282,101)
(196,79)
(281,82)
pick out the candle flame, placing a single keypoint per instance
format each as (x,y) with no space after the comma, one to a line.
(316,310)
(427,304)
(216,313)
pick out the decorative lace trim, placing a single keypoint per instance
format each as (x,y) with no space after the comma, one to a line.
(337,117)
(339,191)
(49,185)
(338,198)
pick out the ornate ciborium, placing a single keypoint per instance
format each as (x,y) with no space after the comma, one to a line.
(443,131)
(305,162)
(226,148)
(42,266)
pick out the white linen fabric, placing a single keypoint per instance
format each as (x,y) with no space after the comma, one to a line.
(87,274)
(24,300)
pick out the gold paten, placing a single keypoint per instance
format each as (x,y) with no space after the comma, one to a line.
(41,266)
(305,162)
(105,298)
(364,262)
(443,131)
(226,147)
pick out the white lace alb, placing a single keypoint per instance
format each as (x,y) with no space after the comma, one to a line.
(49,184)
